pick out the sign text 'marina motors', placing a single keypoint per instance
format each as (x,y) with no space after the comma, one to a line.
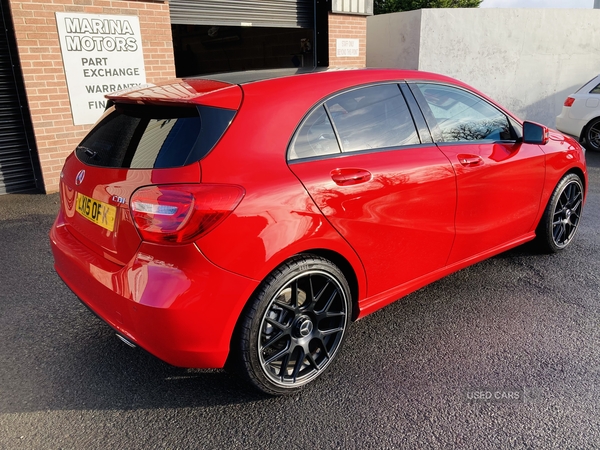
(101,54)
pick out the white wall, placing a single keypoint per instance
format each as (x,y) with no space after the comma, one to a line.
(528,60)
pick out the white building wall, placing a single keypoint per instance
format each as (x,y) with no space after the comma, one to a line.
(394,40)
(529,60)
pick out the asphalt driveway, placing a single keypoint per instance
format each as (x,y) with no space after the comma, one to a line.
(502,354)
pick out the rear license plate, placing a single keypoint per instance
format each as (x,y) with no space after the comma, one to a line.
(96,211)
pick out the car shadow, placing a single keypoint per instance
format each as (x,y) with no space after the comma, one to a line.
(56,354)
(68,359)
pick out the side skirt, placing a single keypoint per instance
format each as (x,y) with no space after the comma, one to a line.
(372,304)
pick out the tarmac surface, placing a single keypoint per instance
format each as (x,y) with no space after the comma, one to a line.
(504,354)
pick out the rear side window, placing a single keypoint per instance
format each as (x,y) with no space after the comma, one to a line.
(585,84)
(153,137)
(596,90)
(315,138)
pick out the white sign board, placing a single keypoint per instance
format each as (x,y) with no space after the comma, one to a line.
(346,48)
(101,54)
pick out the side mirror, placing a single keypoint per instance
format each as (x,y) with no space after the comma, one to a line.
(534,133)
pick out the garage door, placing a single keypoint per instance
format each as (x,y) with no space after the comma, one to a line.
(256,13)
(16,167)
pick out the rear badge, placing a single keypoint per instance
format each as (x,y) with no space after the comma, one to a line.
(117,199)
(80,176)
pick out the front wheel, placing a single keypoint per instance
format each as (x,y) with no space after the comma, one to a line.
(294,325)
(562,215)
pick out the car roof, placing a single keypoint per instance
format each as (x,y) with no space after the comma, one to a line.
(224,90)
(252,76)
(248,76)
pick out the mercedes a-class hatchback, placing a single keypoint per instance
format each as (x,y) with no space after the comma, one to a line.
(248,219)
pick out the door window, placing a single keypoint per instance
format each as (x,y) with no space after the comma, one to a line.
(462,116)
(361,119)
(372,117)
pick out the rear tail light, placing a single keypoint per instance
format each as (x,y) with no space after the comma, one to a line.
(569,101)
(182,213)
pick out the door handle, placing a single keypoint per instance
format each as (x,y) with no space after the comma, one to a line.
(348,177)
(470,160)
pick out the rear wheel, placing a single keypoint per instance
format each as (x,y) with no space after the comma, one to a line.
(591,135)
(562,215)
(294,326)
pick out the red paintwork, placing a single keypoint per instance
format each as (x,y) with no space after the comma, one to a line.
(498,197)
(167,299)
(120,246)
(197,92)
(384,219)
(399,218)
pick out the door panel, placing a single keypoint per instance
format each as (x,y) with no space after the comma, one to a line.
(400,219)
(499,191)
(499,179)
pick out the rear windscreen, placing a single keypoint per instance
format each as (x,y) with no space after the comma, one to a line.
(153,137)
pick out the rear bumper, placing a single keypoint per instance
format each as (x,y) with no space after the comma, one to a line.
(169,300)
(572,127)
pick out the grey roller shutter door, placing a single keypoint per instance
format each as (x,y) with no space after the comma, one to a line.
(16,168)
(258,13)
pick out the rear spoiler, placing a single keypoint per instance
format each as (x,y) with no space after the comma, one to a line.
(217,94)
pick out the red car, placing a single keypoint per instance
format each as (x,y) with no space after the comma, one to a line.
(248,219)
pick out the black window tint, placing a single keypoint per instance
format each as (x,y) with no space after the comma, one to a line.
(315,137)
(106,145)
(166,143)
(145,137)
(462,116)
(372,117)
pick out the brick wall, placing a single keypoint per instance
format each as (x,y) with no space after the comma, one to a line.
(347,26)
(44,76)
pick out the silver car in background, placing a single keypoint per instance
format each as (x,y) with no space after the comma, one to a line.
(580,115)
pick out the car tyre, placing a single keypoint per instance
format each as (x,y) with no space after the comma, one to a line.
(591,135)
(562,215)
(293,326)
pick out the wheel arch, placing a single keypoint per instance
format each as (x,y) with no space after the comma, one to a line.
(344,265)
(553,236)
(586,126)
(334,257)
(546,199)
(577,171)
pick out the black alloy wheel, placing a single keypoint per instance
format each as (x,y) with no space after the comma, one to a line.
(591,135)
(294,326)
(563,214)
